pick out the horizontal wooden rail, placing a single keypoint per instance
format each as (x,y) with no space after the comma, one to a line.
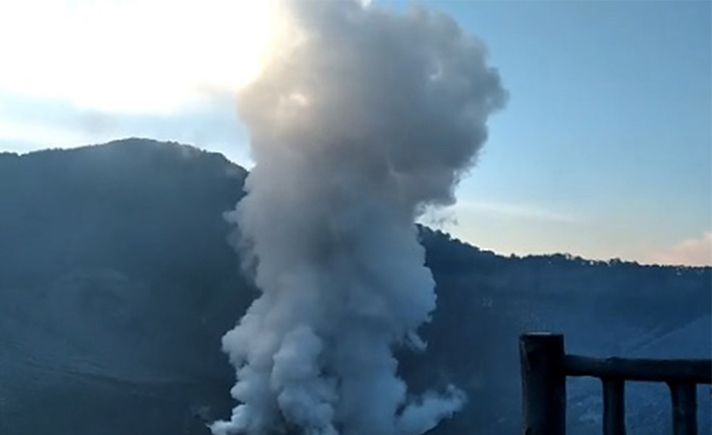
(650,370)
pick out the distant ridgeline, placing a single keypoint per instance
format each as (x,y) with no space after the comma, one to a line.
(117,282)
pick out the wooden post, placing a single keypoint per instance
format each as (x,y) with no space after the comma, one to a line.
(684,408)
(543,384)
(613,406)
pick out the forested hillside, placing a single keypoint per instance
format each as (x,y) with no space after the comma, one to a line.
(117,281)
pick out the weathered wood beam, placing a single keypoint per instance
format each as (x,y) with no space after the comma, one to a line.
(684,408)
(543,384)
(681,371)
(613,406)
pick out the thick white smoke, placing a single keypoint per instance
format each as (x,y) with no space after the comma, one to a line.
(368,117)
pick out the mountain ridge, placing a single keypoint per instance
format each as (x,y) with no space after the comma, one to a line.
(143,145)
(117,281)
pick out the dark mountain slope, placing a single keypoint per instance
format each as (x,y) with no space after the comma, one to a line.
(93,206)
(116,283)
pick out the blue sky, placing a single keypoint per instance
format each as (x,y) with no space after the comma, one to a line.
(604,149)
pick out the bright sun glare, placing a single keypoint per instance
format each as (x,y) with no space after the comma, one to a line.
(132,56)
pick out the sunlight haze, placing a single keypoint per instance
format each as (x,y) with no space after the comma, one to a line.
(604,148)
(137,57)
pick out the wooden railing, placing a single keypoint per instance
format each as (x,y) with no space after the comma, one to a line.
(545,367)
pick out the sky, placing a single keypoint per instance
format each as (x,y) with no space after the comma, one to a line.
(604,149)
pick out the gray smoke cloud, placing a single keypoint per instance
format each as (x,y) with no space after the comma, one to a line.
(370,116)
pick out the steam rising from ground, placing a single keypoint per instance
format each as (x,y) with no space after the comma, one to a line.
(370,116)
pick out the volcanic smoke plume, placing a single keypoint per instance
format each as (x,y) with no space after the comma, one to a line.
(366,117)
